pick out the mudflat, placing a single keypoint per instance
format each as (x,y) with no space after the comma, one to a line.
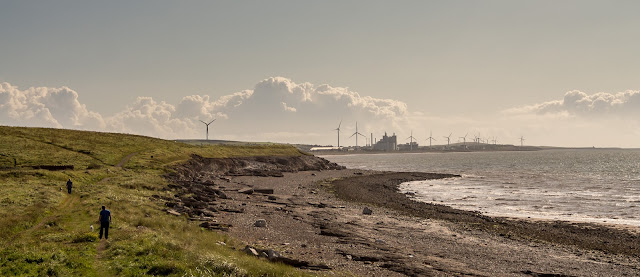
(317,220)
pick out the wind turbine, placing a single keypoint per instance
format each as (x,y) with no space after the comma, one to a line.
(366,140)
(338,129)
(411,144)
(208,126)
(465,140)
(448,138)
(357,134)
(521,141)
(430,138)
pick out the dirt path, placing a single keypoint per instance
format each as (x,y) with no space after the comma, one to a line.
(69,201)
(126,159)
(66,204)
(101,246)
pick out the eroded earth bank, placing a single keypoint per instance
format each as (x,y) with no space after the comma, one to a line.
(320,217)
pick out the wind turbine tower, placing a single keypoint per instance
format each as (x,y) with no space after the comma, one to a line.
(430,138)
(411,143)
(357,134)
(208,126)
(448,138)
(338,129)
(522,141)
(464,139)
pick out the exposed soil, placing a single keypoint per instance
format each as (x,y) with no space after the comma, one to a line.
(200,169)
(315,220)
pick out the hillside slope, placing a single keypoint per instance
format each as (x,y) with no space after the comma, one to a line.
(45,231)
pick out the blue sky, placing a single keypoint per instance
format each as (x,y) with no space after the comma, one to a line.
(459,66)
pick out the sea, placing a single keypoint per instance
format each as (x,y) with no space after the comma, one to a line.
(583,185)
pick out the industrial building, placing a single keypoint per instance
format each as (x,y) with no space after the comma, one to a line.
(387,143)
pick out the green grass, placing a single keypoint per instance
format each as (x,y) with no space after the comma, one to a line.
(45,232)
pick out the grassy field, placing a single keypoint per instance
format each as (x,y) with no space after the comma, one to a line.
(45,232)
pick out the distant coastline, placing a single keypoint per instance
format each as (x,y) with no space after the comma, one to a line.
(452,148)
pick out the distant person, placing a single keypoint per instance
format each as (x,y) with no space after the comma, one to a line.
(105,219)
(69,186)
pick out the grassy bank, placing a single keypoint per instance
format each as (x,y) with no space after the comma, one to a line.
(45,231)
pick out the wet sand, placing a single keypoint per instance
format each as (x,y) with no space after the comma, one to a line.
(316,217)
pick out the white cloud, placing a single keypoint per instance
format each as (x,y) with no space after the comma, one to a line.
(287,108)
(47,107)
(280,110)
(578,103)
(277,109)
(148,117)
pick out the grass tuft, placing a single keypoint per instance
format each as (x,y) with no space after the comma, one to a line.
(85,237)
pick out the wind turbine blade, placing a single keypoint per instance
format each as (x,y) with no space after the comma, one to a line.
(212,121)
(202,121)
(340,124)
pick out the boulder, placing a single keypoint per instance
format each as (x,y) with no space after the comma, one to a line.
(249,250)
(367,211)
(246,190)
(260,223)
(271,254)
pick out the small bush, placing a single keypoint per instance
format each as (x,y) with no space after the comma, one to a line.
(85,237)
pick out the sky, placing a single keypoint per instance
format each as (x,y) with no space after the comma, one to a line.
(558,73)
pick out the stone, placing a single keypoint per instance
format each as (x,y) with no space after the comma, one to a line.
(260,223)
(173,212)
(272,198)
(271,254)
(249,250)
(264,254)
(264,191)
(246,190)
(222,195)
(367,211)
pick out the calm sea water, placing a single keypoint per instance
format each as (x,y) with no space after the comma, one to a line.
(578,185)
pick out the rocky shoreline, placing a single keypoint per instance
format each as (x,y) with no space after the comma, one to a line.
(315,215)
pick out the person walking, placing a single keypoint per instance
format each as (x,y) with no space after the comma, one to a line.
(69,186)
(105,219)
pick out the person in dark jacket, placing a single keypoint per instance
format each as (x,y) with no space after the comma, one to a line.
(69,186)
(105,219)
